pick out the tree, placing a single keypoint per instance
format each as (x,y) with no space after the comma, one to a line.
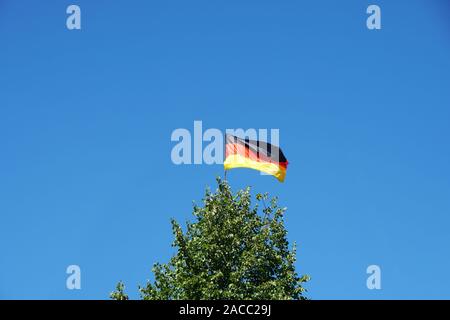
(231,251)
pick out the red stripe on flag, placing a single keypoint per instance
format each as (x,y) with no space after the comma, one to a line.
(235,148)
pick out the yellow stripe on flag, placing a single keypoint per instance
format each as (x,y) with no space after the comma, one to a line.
(238,161)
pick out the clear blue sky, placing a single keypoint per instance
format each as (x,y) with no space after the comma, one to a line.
(86,117)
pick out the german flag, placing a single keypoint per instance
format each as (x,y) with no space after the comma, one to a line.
(258,155)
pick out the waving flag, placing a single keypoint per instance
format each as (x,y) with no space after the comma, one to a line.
(258,155)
